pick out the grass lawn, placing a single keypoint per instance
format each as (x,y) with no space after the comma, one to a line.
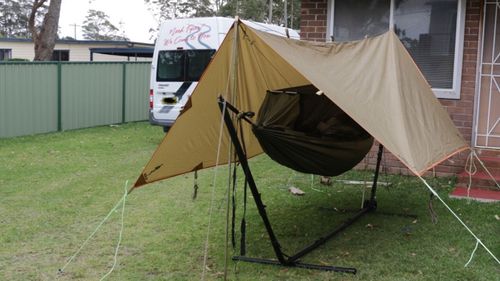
(56,188)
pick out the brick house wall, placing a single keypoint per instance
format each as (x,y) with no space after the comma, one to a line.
(313,27)
(313,20)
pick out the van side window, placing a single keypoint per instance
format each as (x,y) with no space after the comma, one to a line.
(182,65)
(197,61)
(170,66)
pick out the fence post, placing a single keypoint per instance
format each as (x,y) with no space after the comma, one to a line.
(59,97)
(124,90)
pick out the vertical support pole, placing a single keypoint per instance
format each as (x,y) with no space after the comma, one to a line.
(391,15)
(270,15)
(373,196)
(285,12)
(124,90)
(59,96)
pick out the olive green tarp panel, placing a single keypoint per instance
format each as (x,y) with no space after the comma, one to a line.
(374,81)
(377,83)
(192,142)
(309,133)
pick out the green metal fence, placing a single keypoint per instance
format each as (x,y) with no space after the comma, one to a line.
(41,97)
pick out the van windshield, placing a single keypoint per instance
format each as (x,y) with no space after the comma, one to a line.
(182,65)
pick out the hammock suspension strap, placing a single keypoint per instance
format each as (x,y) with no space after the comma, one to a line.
(195,186)
(245,186)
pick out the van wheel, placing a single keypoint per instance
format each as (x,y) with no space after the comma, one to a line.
(165,129)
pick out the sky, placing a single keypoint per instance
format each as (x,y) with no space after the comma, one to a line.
(134,15)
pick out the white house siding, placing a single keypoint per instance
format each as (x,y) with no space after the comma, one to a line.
(20,50)
(77,51)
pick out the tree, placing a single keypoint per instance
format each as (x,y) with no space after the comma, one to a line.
(44,35)
(249,9)
(14,17)
(168,9)
(257,10)
(97,26)
(196,8)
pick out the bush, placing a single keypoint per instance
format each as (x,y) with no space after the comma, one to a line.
(18,59)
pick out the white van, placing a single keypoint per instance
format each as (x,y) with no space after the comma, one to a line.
(182,52)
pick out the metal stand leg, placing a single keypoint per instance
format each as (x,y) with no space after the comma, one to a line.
(291,261)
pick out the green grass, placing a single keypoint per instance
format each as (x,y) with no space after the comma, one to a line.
(56,188)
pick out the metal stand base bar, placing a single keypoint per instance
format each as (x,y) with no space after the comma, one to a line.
(297,264)
(344,211)
(282,259)
(330,235)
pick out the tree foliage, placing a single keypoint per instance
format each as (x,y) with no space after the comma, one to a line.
(251,9)
(14,17)
(97,26)
(44,35)
(256,10)
(169,9)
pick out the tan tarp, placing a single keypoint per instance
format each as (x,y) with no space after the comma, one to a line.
(374,80)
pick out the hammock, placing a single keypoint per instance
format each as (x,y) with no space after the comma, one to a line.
(309,133)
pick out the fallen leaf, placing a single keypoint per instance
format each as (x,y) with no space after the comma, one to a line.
(415,221)
(296,191)
(497,217)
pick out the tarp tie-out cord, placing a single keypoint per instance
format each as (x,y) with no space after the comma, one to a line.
(478,241)
(472,254)
(212,199)
(228,208)
(122,203)
(473,169)
(470,169)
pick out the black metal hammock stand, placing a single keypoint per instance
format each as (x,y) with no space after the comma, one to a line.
(308,133)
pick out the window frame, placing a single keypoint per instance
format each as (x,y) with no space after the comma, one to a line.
(60,52)
(183,67)
(9,52)
(454,92)
(188,64)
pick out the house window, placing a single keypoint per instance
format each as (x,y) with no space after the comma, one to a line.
(60,55)
(5,54)
(432,32)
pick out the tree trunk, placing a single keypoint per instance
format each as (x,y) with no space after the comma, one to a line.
(45,38)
